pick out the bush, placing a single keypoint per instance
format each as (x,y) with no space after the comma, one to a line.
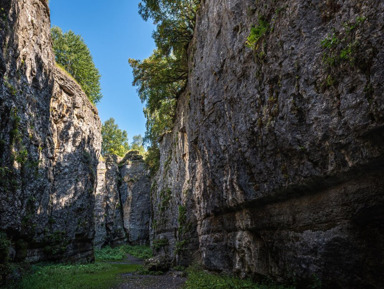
(119,253)
(198,278)
(4,248)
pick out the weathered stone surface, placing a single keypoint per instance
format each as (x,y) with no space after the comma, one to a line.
(279,155)
(50,143)
(108,212)
(135,198)
(100,206)
(158,263)
(122,209)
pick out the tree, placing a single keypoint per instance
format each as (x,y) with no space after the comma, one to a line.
(74,56)
(163,76)
(138,144)
(115,140)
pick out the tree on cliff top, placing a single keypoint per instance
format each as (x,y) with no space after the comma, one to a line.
(115,140)
(74,56)
(138,144)
(162,76)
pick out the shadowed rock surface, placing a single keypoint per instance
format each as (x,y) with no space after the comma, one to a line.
(275,165)
(49,144)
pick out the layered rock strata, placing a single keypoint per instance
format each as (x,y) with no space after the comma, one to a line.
(49,144)
(275,165)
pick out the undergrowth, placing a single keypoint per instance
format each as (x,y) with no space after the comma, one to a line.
(198,278)
(91,276)
(119,253)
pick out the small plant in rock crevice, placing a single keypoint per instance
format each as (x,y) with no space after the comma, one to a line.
(257,34)
(343,46)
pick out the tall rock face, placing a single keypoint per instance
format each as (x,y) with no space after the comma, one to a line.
(49,143)
(275,166)
(122,210)
(135,198)
(108,213)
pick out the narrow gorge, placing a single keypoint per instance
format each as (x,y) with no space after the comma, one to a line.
(274,167)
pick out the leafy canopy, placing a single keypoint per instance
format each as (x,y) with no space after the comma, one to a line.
(115,140)
(138,144)
(163,76)
(74,56)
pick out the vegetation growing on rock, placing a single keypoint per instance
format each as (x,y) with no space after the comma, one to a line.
(73,55)
(162,76)
(115,140)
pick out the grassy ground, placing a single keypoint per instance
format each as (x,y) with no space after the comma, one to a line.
(91,276)
(104,275)
(101,275)
(119,253)
(200,279)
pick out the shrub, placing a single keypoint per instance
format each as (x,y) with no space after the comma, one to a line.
(198,278)
(119,253)
(4,248)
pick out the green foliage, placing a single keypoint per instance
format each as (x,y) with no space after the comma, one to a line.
(342,46)
(159,243)
(165,198)
(198,278)
(74,56)
(162,77)
(182,215)
(115,140)
(4,247)
(138,144)
(119,253)
(91,276)
(57,243)
(257,34)
(12,90)
(152,158)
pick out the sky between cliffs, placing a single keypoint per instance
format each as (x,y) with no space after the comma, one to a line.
(114,32)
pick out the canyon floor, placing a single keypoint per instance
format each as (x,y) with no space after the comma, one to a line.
(170,280)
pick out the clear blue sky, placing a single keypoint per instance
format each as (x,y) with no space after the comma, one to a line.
(114,32)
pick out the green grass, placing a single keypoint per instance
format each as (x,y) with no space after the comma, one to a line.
(198,278)
(91,276)
(119,253)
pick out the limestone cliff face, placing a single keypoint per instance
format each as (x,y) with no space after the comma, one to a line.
(49,143)
(275,165)
(122,210)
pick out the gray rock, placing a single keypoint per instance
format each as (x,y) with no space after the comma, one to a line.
(158,263)
(135,198)
(277,156)
(122,208)
(50,143)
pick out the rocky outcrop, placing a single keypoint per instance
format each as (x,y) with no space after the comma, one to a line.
(275,164)
(122,210)
(49,144)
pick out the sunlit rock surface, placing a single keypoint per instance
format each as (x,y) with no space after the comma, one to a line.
(277,152)
(122,210)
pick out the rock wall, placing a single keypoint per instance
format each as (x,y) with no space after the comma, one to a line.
(275,164)
(50,142)
(122,210)
(135,198)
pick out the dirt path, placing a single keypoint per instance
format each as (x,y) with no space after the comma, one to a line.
(171,280)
